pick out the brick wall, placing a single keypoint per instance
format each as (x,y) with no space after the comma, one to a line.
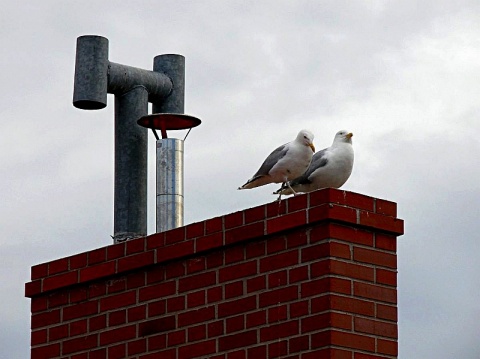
(313,276)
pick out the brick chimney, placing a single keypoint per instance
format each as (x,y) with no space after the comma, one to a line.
(312,276)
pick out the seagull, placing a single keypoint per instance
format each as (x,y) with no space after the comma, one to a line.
(285,163)
(330,167)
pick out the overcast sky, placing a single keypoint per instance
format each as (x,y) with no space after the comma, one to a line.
(403,76)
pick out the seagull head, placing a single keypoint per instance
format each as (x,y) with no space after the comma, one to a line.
(343,136)
(306,137)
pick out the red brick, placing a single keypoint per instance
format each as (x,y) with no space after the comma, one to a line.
(197,350)
(176,337)
(58,266)
(159,290)
(156,326)
(325,249)
(233,290)
(346,269)
(78,295)
(58,332)
(299,309)
(255,249)
(332,212)
(299,344)
(257,352)
(155,274)
(368,356)
(234,324)
(196,333)
(97,271)
(175,270)
(385,207)
(241,270)
(278,261)
(239,354)
(351,234)
(135,280)
(78,261)
(135,246)
(277,296)
(256,319)
(239,340)
(343,339)
(296,239)
(275,209)
(97,354)
(164,354)
(136,347)
(277,349)
(387,242)
(83,309)
(297,203)
(156,308)
(329,353)
(80,344)
(175,304)
(375,257)
(174,235)
(324,285)
(277,279)
(249,231)
(117,351)
(233,307)
(78,327)
(116,251)
(210,241)
(39,271)
(96,290)
(45,319)
(375,327)
(276,244)
(196,299)
(214,260)
(213,225)
(286,222)
(116,285)
(233,220)
(137,313)
(46,351)
(254,214)
(386,277)
(157,342)
(156,240)
(97,323)
(175,251)
(194,230)
(118,301)
(57,299)
(298,274)
(38,304)
(350,305)
(278,313)
(388,347)
(196,281)
(381,222)
(214,294)
(215,329)
(39,337)
(375,292)
(387,312)
(277,331)
(97,256)
(196,316)
(256,284)
(234,255)
(135,261)
(116,318)
(60,280)
(118,335)
(33,288)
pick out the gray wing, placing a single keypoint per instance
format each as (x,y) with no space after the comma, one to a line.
(270,161)
(318,160)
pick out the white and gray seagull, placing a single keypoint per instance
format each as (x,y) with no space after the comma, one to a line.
(285,163)
(330,167)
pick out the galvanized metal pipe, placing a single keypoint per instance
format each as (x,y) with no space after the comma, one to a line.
(130,203)
(169,184)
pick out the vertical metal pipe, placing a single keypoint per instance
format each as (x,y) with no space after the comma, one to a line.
(173,66)
(91,67)
(169,184)
(131,140)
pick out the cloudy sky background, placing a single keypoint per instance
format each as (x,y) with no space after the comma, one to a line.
(403,76)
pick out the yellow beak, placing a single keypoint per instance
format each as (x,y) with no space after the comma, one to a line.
(311,146)
(349,135)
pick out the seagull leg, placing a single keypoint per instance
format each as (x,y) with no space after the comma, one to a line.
(294,193)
